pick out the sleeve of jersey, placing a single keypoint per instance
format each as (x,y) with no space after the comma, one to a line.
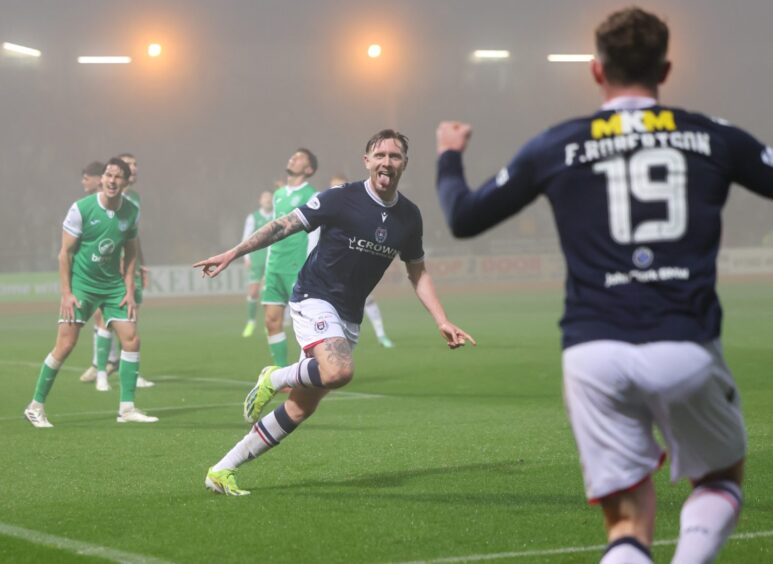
(469,213)
(752,163)
(73,222)
(318,210)
(414,250)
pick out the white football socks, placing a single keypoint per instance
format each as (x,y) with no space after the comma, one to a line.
(264,435)
(708,517)
(626,550)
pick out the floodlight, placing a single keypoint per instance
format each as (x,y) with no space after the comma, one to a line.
(374,51)
(570,58)
(21,49)
(154,50)
(490,54)
(90,60)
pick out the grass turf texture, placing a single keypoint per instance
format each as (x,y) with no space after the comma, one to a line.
(437,453)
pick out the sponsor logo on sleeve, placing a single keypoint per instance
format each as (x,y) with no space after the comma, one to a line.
(767,156)
(502,177)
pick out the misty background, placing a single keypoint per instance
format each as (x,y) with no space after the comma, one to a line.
(242,83)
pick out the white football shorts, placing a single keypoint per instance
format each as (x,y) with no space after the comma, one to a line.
(316,320)
(616,393)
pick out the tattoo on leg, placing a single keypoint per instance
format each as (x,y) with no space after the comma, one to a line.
(338,353)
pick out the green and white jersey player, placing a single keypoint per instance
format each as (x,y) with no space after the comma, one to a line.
(286,257)
(97,229)
(256,262)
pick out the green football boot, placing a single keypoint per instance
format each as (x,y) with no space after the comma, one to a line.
(223,482)
(259,395)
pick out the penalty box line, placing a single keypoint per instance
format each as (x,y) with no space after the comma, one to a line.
(566,550)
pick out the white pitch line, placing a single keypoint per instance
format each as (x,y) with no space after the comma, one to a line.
(559,551)
(78,547)
(38,365)
(334,396)
(177,378)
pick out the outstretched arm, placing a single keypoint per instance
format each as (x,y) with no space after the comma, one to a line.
(467,212)
(270,233)
(425,291)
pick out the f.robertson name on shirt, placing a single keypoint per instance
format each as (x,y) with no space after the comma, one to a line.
(626,131)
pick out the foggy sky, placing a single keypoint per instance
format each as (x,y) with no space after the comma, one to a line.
(242,83)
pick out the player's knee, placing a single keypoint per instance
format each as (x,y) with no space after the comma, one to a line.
(337,377)
(131,344)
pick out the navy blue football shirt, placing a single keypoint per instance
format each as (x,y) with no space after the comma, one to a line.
(359,237)
(637,191)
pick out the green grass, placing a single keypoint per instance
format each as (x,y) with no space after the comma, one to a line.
(460,453)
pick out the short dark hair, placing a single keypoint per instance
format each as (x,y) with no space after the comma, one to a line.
(385,134)
(120,163)
(93,169)
(311,156)
(632,45)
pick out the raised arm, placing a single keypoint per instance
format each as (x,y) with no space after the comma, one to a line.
(425,291)
(468,212)
(270,233)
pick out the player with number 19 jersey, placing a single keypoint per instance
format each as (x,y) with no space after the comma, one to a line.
(360,236)
(660,175)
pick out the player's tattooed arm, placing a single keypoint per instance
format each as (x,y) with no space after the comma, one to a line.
(272,232)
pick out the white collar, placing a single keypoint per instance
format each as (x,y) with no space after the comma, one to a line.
(291,189)
(109,211)
(375,198)
(629,103)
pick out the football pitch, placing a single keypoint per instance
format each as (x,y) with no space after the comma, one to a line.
(428,455)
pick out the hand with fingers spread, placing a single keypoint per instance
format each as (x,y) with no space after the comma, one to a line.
(131,305)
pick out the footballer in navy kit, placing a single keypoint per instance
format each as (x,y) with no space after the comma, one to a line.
(364,226)
(361,235)
(637,191)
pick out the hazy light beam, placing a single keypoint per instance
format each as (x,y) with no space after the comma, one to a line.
(490,54)
(89,60)
(21,49)
(570,58)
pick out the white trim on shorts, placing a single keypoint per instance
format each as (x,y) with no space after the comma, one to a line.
(616,393)
(315,320)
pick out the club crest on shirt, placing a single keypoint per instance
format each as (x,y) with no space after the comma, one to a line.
(123,225)
(320,326)
(381,234)
(643,257)
(313,203)
(294,201)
